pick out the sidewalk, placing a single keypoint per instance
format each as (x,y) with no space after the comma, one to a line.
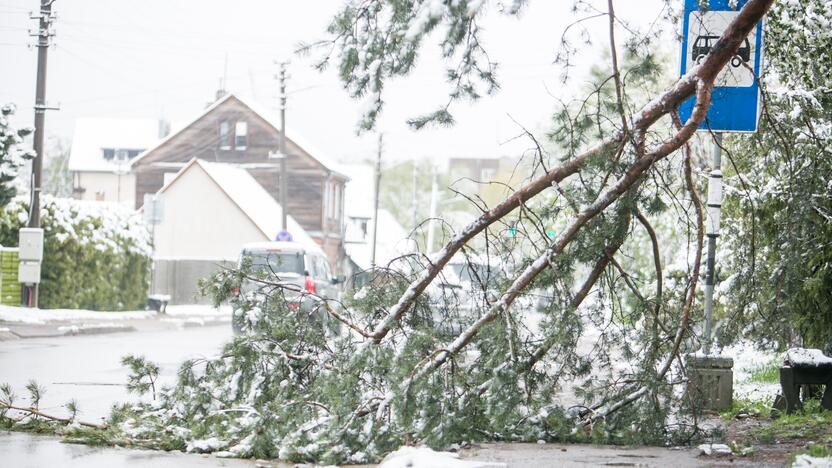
(21,323)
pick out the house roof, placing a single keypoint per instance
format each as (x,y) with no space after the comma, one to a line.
(93,134)
(392,242)
(250,197)
(358,192)
(267,116)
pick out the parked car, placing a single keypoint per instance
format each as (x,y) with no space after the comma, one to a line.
(462,290)
(301,272)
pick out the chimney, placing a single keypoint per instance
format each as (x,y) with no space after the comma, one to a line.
(220,91)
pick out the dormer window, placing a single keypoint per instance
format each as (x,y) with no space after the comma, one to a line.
(122,155)
(240,136)
(225,136)
(119,155)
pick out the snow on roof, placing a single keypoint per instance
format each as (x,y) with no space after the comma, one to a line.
(92,135)
(358,192)
(266,115)
(252,199)
(292,134)
(392,241)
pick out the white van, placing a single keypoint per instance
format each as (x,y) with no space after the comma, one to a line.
(302,272)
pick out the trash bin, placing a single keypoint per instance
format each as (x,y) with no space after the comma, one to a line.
(158,302)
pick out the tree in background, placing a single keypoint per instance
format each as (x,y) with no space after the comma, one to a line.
(12,156)
(57,180)
(779,221)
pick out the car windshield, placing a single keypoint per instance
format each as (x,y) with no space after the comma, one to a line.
(276,262)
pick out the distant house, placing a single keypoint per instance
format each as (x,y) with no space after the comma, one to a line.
(488,177)
(102,149)
(210,211)
(392,239)
(232,131)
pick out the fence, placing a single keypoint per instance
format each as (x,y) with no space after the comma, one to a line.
(9,287)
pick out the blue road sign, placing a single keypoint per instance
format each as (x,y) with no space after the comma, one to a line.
(735,104)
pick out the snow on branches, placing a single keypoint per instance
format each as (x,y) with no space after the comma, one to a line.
(12,156)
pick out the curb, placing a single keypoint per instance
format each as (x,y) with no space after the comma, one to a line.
(73,330)
(8,336)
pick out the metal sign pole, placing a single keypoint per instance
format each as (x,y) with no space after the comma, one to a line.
(714,207)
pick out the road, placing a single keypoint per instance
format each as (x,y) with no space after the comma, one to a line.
(88,368)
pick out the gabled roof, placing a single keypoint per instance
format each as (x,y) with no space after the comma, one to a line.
(249,196)
(267,116)
(94,134)
(392,242)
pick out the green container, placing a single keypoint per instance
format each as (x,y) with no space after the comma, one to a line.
(9,287)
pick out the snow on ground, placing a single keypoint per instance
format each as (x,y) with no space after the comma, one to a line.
(806,461)
(196,309)
(424,457)
(193,312)
(92,326)
(747,360)
(41,316)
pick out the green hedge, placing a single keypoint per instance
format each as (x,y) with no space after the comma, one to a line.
(96,255)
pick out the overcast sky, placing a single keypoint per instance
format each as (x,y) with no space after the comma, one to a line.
(164,58)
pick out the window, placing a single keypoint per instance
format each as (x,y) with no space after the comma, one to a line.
(240,131)
(225,136)
(487,174)
(119,154)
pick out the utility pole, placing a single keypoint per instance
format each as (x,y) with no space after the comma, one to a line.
(284,179)
(375,198)
(43,34)
(714,207)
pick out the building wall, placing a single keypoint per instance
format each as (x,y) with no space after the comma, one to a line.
(104,186)
(180,278)
(200,222)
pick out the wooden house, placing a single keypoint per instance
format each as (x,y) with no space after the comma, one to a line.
(231,131)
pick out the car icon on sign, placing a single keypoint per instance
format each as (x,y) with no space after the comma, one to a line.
(703,44)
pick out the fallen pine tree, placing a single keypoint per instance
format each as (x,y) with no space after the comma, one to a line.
(287,389)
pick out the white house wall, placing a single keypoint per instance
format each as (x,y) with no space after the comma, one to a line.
(107,186)
(201,222)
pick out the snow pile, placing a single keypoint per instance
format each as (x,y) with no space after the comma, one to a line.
(715,449)
(41,316)
(807,357)
(807,461)
(424,457)
(75,329)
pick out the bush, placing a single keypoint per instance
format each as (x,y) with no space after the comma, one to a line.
(96,255)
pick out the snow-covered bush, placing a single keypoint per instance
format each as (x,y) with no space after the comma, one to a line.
(12,156)
(95,254)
